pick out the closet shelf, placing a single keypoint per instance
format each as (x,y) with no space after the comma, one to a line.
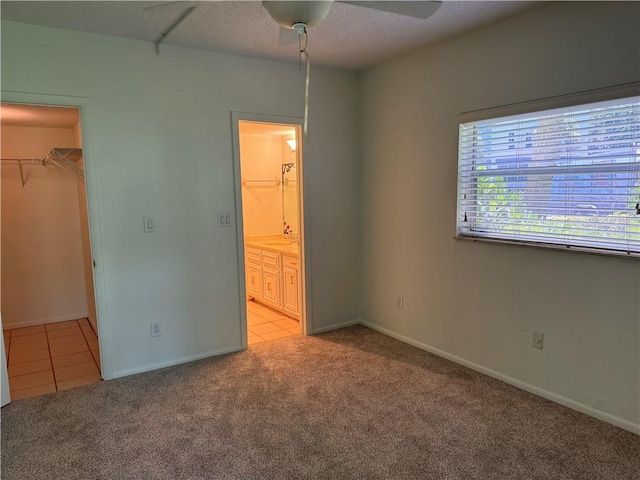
(65,158)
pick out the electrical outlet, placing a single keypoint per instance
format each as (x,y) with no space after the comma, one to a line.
(538,340)
(400,302)
(156,330)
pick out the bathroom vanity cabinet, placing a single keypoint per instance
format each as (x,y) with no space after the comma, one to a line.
(273,278)
(291,286)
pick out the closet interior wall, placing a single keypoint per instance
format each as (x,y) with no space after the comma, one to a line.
(45,257)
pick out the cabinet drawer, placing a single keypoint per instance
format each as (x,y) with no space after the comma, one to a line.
(271,260)
(290,262)
(254,257)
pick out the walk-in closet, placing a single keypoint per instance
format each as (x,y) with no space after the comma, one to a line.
(47,292)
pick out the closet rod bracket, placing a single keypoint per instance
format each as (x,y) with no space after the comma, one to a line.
(21,173)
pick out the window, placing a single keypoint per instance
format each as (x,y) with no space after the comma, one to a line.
(562,177)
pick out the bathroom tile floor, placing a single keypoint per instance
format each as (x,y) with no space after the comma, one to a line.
(52,357)
(267,324)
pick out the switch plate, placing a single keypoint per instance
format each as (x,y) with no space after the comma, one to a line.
(224,219)
(538,340)
(149,224)
(400,302)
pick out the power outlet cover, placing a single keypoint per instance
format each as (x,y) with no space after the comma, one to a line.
(156,329)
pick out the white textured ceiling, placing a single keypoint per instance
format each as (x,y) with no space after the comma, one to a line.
(38,116)
(351,36)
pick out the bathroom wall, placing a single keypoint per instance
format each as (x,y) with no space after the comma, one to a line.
(290,187)
(261,159)
(42,253)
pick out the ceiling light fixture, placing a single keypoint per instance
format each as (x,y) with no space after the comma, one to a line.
(292,144)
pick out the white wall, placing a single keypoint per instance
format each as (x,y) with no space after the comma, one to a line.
(162,146)
(42,263)
(481,303)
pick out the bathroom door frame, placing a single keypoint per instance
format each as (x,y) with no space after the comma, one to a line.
(306,320)
(90,181)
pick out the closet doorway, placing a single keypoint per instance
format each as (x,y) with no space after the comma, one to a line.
(270,161)
(47,285)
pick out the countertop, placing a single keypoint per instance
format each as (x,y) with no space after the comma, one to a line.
(275,246)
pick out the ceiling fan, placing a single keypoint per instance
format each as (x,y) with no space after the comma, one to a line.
(297,16)
(291,14)
(294,16)
(286,13)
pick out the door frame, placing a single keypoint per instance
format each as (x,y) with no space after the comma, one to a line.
(93,212)
(306,318)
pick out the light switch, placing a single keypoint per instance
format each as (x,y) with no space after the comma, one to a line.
(224,219)
(149,224)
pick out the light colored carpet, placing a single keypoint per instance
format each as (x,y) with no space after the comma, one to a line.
(349,404)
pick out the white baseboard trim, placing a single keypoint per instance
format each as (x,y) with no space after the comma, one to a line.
(43,321)
(176,361)
(336,326)
(580,407)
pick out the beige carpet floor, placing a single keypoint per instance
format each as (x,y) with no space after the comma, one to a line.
(349,404)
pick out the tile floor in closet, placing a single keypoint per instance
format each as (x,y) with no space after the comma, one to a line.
(53,357)
(267,324)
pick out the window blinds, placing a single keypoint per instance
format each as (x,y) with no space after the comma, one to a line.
(568,176)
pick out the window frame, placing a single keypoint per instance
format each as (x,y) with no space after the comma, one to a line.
(533,107)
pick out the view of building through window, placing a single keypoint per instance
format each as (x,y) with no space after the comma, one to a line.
(567,176)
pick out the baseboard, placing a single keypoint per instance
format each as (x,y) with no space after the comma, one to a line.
(336,326)
(43,321)
(93,323)
(176,361)
(572,404)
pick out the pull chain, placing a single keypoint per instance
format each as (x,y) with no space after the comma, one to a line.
(305,57)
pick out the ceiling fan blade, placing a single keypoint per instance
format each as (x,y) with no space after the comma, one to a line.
(162,6)
(416,9)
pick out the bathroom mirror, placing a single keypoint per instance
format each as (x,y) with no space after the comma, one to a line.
(289,199)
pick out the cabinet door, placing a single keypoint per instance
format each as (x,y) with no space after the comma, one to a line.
(271,287)
(254,282)
(290,302)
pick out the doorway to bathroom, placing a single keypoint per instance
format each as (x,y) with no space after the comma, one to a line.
(270,167)
(50,331)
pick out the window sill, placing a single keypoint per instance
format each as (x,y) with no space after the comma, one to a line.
(548,246)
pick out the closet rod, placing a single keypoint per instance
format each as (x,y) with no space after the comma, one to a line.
(19,162)
(261,180)
(22,160)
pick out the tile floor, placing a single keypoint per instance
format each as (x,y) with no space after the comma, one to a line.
(53,357)
(267,324)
